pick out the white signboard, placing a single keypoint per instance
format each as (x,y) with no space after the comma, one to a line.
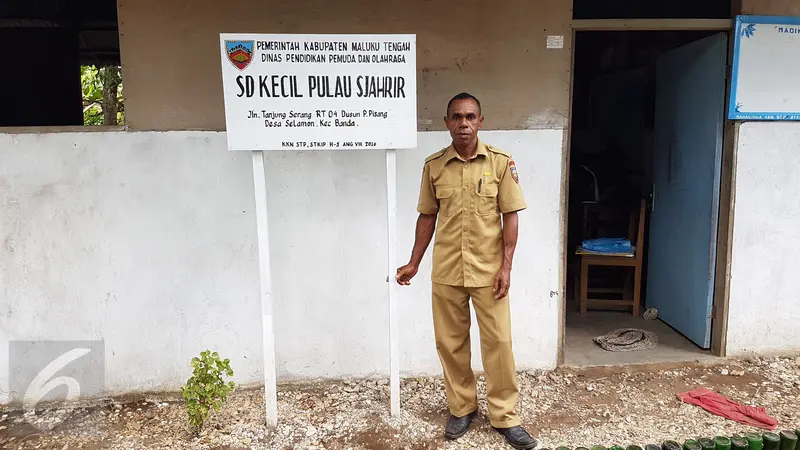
(555,41)
(766,69)
(319,92)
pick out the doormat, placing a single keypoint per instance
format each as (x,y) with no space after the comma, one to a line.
(627,340)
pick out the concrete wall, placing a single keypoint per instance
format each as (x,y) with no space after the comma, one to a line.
(171,66)
(764,285)
(147,240)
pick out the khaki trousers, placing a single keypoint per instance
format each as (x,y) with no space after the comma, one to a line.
(451,324)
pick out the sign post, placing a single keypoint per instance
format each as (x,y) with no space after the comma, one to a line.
(391,230)
(320,92)
(265,275)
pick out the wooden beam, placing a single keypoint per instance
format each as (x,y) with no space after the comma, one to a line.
(564,257)
(727,194)
(651,24)
(61,129)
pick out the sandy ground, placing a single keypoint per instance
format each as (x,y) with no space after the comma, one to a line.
(566,407)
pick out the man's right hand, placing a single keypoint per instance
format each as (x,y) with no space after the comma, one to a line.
(405,274)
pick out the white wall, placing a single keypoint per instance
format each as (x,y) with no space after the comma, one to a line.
(148,241)
(765,286)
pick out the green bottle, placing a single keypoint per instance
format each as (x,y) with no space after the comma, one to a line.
(616,447)
(691,444)
(739,443)
(722,443)
(633,447)
(563,448)
(706,443)
(600,447)
(771,441)
(754,441)
(788,440)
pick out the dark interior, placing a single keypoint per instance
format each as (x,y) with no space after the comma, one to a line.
(611,135)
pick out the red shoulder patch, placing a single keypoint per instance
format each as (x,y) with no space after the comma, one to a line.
(512,167)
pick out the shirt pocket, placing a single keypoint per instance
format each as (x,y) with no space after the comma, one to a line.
(444,195)
(486,200)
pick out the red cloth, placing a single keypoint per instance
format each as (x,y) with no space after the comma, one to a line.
(722,406)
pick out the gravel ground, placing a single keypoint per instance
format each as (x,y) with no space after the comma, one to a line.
(565,407)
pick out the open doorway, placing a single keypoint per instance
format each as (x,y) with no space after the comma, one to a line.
(645,163)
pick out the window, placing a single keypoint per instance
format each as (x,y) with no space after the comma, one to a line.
(52,50)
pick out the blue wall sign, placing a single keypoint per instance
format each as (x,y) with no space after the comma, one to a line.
(765,82)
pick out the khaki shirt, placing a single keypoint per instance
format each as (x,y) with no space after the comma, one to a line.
(469,197)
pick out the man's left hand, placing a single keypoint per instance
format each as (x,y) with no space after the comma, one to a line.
(502,281)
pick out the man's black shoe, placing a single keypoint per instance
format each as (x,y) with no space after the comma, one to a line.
(518,438)
(458,426)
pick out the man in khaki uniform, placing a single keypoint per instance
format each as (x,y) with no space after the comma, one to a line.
(471,186)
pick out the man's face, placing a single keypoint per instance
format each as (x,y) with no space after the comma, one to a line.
(463,120)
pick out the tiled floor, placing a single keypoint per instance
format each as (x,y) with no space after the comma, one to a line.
(580,350)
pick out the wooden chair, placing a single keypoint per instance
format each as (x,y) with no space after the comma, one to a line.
(630,297)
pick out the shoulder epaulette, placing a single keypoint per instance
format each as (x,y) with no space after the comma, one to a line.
(435,155)
(498,151)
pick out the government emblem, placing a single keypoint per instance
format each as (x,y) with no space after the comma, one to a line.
(512,166)
(240,53)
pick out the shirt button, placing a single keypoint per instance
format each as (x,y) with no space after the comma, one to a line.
(465,188)
(465,228)
(463,248)
(465,209)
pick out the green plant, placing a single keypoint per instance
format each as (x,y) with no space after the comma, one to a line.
(103,99)
(206,389)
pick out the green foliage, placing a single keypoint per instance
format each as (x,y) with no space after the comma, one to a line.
(93,82)
(206,390)
(92,96)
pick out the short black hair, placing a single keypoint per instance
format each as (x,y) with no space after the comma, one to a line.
(463,96)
